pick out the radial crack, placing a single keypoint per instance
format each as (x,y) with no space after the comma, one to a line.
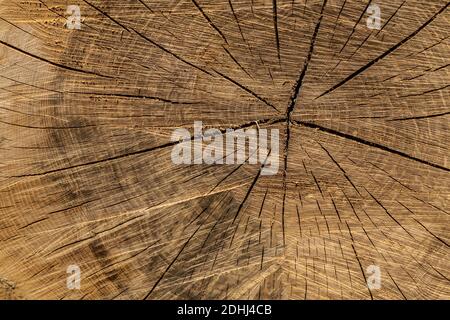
(383,55)
(291,107)
(369,143)
(210,21)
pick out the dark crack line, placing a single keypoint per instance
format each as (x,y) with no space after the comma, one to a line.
(362,270)
(247,90)
(239,25)
(298,84)
(426,92)
(237,62)
(368,143)
(53,63)
(119,95)
(133,96)
(172,262)
(170,52)
(359,46)
(383,55)
(143,151)
(58,14)
(420,117)
(435,236)
(233,171)
(249,191)
(398,288)
(337,20)
(210,21)
(23,30)
(262,204)
(427,48)
(389,20)
(290,110)
(29,85)
(354,27)
(181,251)
(431,205)
(339,166)
(145,5)
(390,176)
(131,30)
(388,213)
(275,26)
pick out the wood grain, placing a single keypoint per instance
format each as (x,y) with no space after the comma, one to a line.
(86,118)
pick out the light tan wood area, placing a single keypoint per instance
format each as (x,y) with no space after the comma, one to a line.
(86,177)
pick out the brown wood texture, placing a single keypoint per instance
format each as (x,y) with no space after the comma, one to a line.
(86,177)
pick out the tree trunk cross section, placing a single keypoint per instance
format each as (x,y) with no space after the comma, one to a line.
(92,207)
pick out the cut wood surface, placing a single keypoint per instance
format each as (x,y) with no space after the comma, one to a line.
(86,177)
